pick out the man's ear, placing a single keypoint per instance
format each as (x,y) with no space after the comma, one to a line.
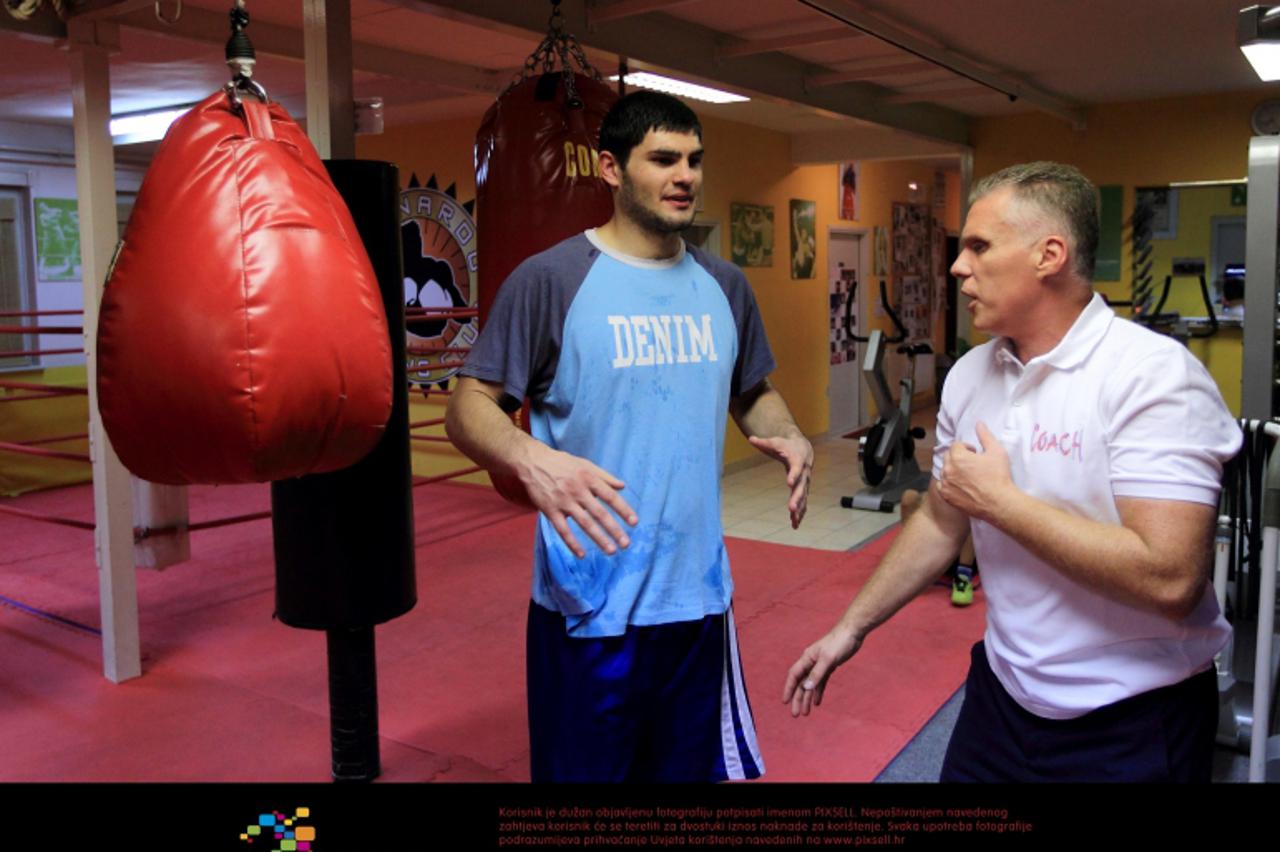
(1053,256)
(610,169)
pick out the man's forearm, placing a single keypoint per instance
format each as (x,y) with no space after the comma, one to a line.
(925,548)
(483,432)
(765,415)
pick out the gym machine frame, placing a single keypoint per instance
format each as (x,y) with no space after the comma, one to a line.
(1243,702)
(887,451)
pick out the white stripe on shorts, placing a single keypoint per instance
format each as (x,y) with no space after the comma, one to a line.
(733,691)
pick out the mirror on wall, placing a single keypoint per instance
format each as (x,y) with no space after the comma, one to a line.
(1188,254)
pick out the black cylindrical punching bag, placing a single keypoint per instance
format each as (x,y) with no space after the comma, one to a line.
(537,183)
(344,540)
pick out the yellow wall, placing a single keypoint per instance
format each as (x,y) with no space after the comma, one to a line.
(1150,143)
(52,417)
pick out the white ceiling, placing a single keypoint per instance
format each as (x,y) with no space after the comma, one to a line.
(437,58)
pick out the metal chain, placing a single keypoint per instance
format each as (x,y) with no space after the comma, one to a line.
(561,45)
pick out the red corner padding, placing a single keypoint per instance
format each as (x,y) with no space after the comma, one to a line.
(241,336)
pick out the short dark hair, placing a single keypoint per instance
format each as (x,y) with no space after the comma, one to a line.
(625,125)
(1061,191)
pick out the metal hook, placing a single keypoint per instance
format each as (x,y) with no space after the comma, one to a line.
(247,84)
(177,13)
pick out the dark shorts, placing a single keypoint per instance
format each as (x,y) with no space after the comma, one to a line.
(665,703)
(1163,735)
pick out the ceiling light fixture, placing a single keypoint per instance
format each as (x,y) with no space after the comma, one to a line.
(1258,34)
(145,126)
(680,88)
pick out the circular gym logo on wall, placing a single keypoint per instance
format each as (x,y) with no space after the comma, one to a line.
(438,236)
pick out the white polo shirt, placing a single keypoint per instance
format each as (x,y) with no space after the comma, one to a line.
(1114,410)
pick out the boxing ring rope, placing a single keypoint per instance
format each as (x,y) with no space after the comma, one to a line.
(26,449)
(56,440)
(46,391)
(51,390)
(38,390)
(48,519)
(417,315)
(453,474)
(61,313)
(22,353)
(41,329)
(441,313)
(433,350)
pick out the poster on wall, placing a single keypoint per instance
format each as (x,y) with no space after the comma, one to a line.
(438,242)
(752,227)
(844,315)
(881,236)
(913,268)
(804,237)
(848,189)
(57,239)
(910,239)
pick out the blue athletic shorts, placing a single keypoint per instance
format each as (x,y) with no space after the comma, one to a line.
(1165,735)
(665,703)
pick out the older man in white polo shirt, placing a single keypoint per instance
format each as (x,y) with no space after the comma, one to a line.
(1084,453)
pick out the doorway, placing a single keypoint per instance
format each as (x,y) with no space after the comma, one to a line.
(844,381)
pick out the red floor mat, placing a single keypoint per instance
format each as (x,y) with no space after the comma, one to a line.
(230,694)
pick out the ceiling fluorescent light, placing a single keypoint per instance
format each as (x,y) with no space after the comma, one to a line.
(1258,34)
(680,88)
(144,126)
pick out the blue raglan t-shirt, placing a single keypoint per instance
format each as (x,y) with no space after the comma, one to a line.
(630,363)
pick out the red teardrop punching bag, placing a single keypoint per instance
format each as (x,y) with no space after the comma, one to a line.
(241,336)
(537,182)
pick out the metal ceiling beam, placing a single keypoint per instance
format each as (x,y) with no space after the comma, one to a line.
(601,12)
(287,42)
(770,45)
(856,15)
(690,49)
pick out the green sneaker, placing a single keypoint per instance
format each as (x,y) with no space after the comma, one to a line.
(962,586)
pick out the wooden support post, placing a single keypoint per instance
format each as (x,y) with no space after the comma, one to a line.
(161,515)
(331,112)
(91,43)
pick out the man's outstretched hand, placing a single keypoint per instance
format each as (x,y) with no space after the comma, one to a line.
(796,454)
(564,486)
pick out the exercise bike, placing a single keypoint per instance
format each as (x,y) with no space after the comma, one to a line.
(887,450)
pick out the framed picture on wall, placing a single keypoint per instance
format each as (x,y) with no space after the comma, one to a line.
(847,190)
(752,227)
(1161,203)
(57,239)
(804,237)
